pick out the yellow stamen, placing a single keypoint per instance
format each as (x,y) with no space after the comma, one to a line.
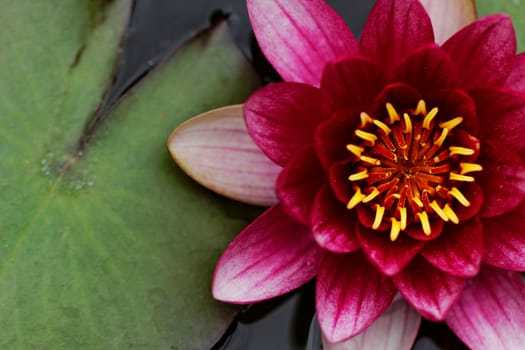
(421,108)
(382,126)
(358,176)
(429,117)
(462,151)
(442,137)
(356,199)
(425,223)
(408,123)
(403,215)
(365,119)
(370,160)
(417,200)
(380,211)
(454,192)
(451,214)
(371,195)
(469,167)
(451,124)
(459,177)
(355,150)
(367,136)
(437,209)
(392,113)
(395,230)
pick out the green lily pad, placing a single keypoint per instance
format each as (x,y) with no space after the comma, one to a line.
(515,8)
(105,244)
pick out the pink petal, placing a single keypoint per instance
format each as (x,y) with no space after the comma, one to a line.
(449,16)
(431,291)
(215,150)
(396,329)
(300,37)
(333,224)
(491,311)
(389,257)
(352,82)
(505,241)
(414,69)
(270,257)
(484,51)
(502,115)
(454,103)
(297,192)
(516,78)
(393,30)
(502,179)
(458,251)
(282,118)
(473,192)
(350,295)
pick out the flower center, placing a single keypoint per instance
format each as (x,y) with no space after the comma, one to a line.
(409,168)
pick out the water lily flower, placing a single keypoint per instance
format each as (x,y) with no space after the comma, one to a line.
(393,166)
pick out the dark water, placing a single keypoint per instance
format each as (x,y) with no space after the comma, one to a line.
(157,28)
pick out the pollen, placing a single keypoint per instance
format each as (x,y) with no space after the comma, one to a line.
(405,167)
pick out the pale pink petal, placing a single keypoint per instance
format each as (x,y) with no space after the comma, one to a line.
(491,311)
(396,329)
(270,257)
(449,16)
(300,37)
(215,150)
(350,295)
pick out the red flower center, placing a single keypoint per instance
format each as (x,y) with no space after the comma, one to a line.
(409,169)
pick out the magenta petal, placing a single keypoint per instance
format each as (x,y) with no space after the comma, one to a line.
(215,150)
(396,329)
(414,69)
(502,179)
(458,250)
(333,224)
(484,51)
(296,191)
(502,116)
(282,118)
(270,257)
(449,16)
(516,79)
(393,30)
(491,311)
(505,241)
(350,295)
(352,82)
(300,37)
(389,257)
(431,291)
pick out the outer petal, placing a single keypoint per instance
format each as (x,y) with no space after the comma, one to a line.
(272,256)
(352,82)
(491,312)
(516,78)
(502,116)
(215,149)
(484,51)
(298,183)
(449,16)
(505,241)
(459,250)
(431,291)
(396,329)
(414,70)
(502,179)
(350,295)
(282,118)
(389,257)
(393,30)
(332,224)
(300,37)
